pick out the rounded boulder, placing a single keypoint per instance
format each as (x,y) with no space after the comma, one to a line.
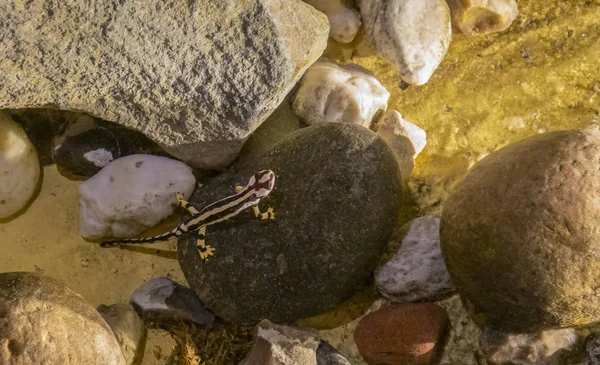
(336,198)
(44,322)
(521,234)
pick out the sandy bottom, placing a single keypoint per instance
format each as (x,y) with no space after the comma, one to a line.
(46,239)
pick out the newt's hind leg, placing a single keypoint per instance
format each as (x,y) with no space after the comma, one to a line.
(185,204)
(203,249)
(269,214)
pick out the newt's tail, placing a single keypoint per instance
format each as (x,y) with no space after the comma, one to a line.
(160,237)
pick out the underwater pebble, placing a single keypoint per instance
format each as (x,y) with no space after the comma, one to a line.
(275,344)
(482,16)
(417,271)
(412,35)
(132,194)
(332,92)
(402,334)
(537,348)
(406,139)
(128,328)
(19,167)
(161,301)
(343,20)
(44,322)
(328,355)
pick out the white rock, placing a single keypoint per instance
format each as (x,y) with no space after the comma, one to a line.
(407,140)
(19,167)
(344,22)
(412,35)
(132,194)
(417,271)
(539,348)
(483,16)
(331,92)
(281,345)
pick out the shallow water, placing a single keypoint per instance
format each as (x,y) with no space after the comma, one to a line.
(46,239)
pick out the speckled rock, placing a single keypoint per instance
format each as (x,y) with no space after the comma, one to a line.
(462,346)
(539,348)
(44,322)
(416,271)
(132,194)
(592,349)
(346,93)
(163,302)
(168,69)
(19,167)
(281,345)
(128,328)
(482,16)
(520,232)
(337,198)
(412,35)
(343,19)
(85,146)
(402,334)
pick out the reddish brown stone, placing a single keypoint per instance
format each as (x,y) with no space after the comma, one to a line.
(402,334)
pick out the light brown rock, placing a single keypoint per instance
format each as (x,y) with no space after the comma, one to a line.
(128,328)
(197,77)
(482,16)
(44,322)
(19,167)
(520,233)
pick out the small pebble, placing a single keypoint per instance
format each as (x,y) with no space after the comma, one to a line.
(275,344)
(163,302)
(346,93)
(402,334)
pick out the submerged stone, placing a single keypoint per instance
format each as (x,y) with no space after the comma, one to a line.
(336,198)
(169,69)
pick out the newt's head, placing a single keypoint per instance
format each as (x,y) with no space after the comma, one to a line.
(262,183)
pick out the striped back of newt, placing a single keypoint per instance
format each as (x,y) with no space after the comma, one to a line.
(258,187)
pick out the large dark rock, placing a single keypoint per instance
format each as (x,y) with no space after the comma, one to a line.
(520,233)
(44,322)
(337,198)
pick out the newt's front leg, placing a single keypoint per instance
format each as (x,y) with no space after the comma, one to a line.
(269,214)
(185,204)
(203,249)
